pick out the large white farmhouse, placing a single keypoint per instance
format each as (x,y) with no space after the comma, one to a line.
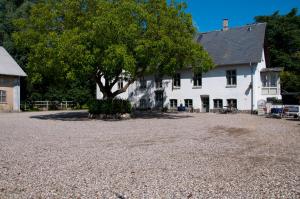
(240,78)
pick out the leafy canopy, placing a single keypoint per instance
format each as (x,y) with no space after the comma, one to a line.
(104,39)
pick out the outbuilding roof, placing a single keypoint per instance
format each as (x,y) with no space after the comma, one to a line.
(240,45)
(8,66)
(275,69)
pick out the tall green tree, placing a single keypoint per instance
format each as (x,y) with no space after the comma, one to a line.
(107,40)
(283,42)
(79,90)
(9,11)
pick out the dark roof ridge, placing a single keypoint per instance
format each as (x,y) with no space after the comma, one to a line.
(233,28)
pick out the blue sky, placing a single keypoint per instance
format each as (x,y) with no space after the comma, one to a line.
(208,14)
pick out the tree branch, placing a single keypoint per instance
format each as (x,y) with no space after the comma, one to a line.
(122,90)
(115,80)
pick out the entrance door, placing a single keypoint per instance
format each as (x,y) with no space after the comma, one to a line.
(205,104)
(159,99)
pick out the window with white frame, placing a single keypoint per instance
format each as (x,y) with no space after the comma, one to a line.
(188,103)
(269,79)
(143,103)
(232,103)
(173,103)
(143,83)
(231,77)
(158,82)
(218,103)
(2,96)
(197,80)
(120,83)
(176,80)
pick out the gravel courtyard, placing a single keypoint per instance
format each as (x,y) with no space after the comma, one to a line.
(65,155)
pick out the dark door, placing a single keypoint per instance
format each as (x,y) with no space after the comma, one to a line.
(159,99)
(205,104)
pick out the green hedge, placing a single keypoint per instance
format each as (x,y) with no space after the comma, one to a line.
(110,107)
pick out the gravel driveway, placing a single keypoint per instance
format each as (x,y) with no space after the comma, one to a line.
(65,155)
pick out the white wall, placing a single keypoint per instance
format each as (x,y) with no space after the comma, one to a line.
(16,95)
(213,85)
(258,83)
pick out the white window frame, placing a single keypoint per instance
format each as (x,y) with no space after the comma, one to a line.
(188,103)
(173,103)
(231,78)
(219,103)
(143,103)
(158,83)
(267,81)
(268,88)
(231,100)
(197,80)
(143,83)
(3,97)
(177,80)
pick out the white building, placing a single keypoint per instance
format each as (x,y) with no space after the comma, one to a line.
(240,79)
(10,73)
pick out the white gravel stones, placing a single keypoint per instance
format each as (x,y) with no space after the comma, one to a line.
(60,155)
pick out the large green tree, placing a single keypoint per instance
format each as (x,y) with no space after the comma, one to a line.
(9,11)
(108,40)
(283,42)
(79,90)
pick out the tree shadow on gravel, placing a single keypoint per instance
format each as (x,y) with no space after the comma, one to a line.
(293,119)
(160,115)
(64,116)
(83,116)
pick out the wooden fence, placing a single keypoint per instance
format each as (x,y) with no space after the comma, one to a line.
(50,105)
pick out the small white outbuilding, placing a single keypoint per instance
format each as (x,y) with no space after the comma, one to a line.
(10,73)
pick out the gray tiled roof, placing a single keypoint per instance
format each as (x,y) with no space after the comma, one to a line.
(8,66)
(235,46)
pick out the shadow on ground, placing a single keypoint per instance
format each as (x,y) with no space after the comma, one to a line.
(160,115)
(83,116)
(64,116)
(293,119)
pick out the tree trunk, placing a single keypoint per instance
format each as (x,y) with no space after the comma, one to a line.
(106,90)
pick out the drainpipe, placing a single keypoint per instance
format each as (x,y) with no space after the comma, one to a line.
(251,68)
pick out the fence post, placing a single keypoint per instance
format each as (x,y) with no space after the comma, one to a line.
(47,105)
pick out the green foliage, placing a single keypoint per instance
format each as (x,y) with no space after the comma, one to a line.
(9,11)
(90,40)
(283,41)
(110,106)
(291,80)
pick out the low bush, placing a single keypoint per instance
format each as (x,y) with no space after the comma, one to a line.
(110,107)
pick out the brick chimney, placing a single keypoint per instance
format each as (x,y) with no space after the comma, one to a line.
(225,24)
